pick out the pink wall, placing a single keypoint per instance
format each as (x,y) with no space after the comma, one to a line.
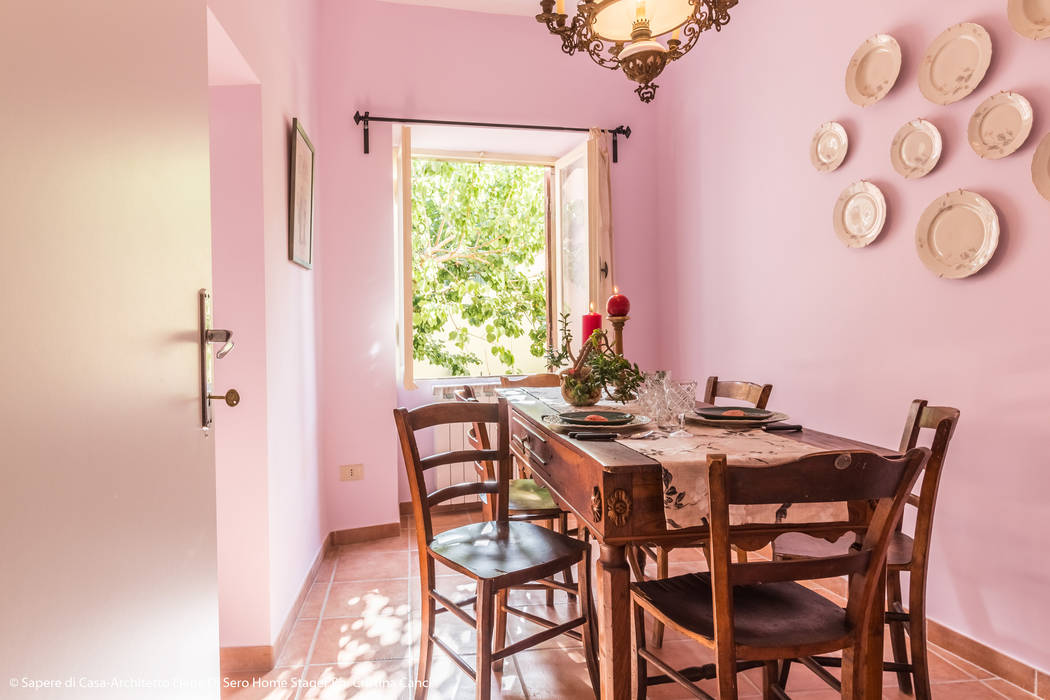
(484,68)
(759,286)
(238,286)
(278,40)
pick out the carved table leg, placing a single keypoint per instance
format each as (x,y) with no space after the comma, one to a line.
(614,607)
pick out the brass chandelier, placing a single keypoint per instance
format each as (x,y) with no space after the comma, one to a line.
(623,33)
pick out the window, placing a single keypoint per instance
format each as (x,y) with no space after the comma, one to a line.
(479,268)
(492,248)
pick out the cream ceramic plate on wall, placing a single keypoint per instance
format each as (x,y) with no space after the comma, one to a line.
(1041,167)
(1000,125)
(1030,18)
(916,149)
(955,63)
(828,148)
(873,70)
(957,234)
(860,214)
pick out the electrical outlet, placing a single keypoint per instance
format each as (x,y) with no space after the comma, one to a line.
(351,472)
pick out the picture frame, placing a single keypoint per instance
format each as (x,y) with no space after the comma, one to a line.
(301,198)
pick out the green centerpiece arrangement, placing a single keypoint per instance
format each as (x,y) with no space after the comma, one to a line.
(598,368)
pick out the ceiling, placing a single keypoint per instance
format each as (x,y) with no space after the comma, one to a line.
(528,8)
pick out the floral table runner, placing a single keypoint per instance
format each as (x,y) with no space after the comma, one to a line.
(685,476)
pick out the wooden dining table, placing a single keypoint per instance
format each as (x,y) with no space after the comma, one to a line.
(617,493)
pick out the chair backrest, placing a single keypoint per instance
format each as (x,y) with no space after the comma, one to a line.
(825,477)
(530,380)
(478,436)
(755,394)
(942,420)
(449,413)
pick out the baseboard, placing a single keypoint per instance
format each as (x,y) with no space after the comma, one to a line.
(365,534)
(263,658)
(992,660)
(246,659)
(405,507)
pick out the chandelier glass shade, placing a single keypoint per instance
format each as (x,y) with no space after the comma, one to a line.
(626,34)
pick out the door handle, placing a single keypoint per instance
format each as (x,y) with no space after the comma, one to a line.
(218,335)
(209,335)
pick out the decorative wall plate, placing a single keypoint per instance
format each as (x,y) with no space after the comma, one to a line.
(860,213)
(955,63)
(916,149)
(1041,167)
(1030,18)
(1000,125)
(873,70)
(957,234)
(828,148)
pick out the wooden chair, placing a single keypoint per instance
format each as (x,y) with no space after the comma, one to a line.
(910,554)
(754,614)
(756,394)
(499,554)
(527,500)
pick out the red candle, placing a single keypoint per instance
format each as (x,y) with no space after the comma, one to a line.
(591,323)
(618,304)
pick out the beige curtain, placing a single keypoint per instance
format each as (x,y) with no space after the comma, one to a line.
(599,205)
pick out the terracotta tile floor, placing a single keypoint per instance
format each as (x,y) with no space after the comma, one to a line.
(357,637)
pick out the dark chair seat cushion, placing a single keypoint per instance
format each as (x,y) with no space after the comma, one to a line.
(492,550)
(796,545)
(766,614)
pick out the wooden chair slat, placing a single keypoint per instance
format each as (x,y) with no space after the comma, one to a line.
(530,380)
(755,394)
(457,456)
(448,412)
(456,490)
(798,569)
(817,478)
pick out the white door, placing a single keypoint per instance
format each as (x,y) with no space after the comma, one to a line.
(107,496)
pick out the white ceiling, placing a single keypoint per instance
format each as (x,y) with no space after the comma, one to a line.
(528,8)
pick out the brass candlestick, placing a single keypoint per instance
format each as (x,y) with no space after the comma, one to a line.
(617,324)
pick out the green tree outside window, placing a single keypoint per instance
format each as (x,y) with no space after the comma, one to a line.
(478,267)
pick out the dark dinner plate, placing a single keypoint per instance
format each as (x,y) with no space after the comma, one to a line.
(733,413)
(597,417)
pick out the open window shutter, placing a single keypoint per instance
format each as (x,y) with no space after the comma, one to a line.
(574,279)
(583,229)
(403,266)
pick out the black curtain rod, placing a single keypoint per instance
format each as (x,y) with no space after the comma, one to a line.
(365,118)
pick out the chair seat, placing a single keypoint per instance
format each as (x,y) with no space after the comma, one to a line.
(783,614)
(506,552)
(796,545)
(526,496)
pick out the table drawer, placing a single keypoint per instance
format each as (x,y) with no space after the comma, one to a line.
(529,443)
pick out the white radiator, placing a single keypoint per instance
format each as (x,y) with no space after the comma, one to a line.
(449,438)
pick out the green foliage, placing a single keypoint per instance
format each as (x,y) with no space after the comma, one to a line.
(602,369)
(478,273)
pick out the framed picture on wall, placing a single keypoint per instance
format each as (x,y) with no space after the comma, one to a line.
(301,198)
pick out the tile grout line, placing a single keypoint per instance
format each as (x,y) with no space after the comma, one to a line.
(317,633)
